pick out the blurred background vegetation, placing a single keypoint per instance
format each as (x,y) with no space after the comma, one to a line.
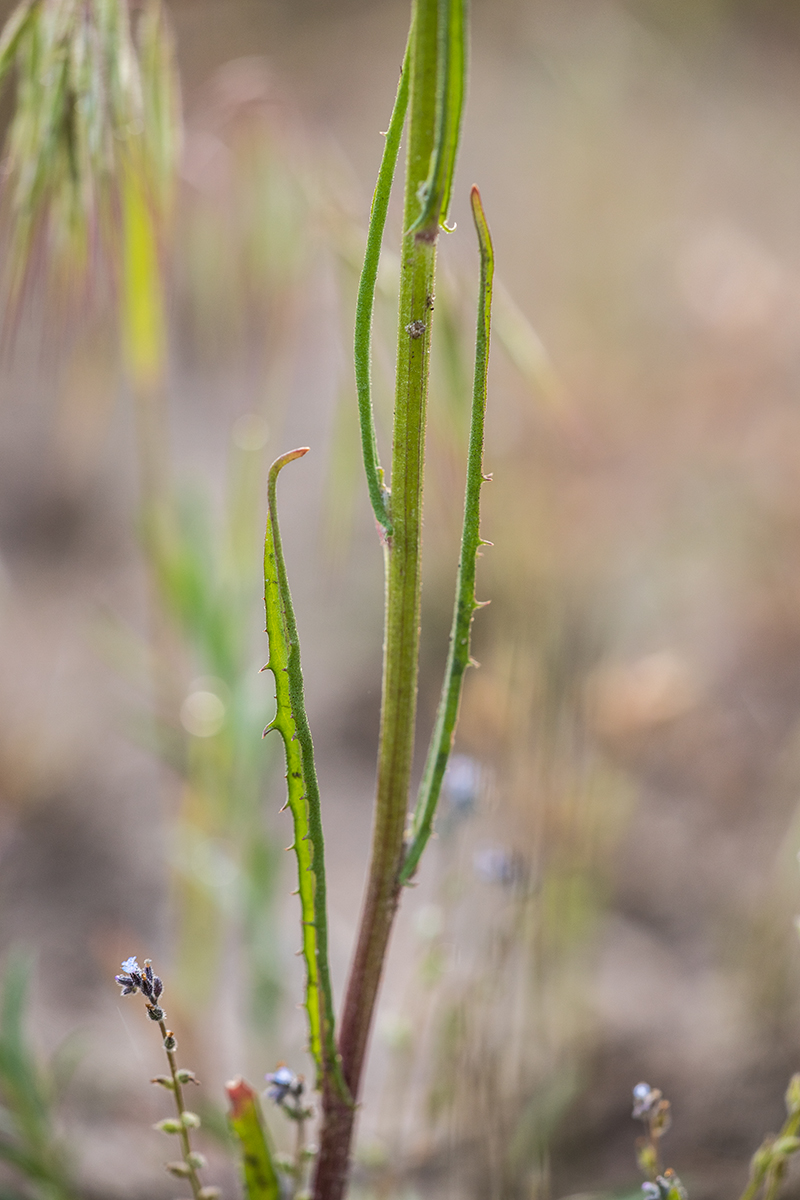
(611,894)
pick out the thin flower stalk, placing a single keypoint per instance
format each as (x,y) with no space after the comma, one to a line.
(135,979)
(287,1090)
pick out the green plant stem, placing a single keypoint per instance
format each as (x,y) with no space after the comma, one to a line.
(365,304)
(774,1180)
(458,658)
(752,1189)
(299,1154)
(401,642)
(772,1176)
(450,90)
(177,1089)
(775,1173)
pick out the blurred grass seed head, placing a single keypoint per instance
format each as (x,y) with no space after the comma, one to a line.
(97,114)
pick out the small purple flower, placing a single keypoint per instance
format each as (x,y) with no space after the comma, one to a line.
(135,979)
(131,978)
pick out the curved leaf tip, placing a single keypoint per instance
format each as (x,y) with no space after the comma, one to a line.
(288,457)
(240,1095)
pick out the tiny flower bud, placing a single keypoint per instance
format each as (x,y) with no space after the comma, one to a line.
(198,1161)
(170,1042)
(793,1096)
(784,1146)
(209,1193)
(155,1013)
(190,1120)
(164,1081)
(168,1125)
(187,1076)
(179,1168)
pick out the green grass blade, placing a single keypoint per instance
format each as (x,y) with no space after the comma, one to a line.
(303,789)
(362,349)
(26,1163)
(13,31)
(451,74)
(260,1177)
(19,1073)
(27,1139)
(458,657)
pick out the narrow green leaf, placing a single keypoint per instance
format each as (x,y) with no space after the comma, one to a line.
(160,98)
(20,1076)
(362,347)
(142,309)
(260,1177)
(458,657)
(303,789)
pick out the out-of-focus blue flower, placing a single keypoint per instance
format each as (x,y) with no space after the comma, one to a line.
(641,1099)
(493,864)
(646,1101)
(283,1083)
(462,783)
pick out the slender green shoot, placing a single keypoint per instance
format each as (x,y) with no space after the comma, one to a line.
(303,789)
(434,193)
(365,304)
(458,658)
(258,1168)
